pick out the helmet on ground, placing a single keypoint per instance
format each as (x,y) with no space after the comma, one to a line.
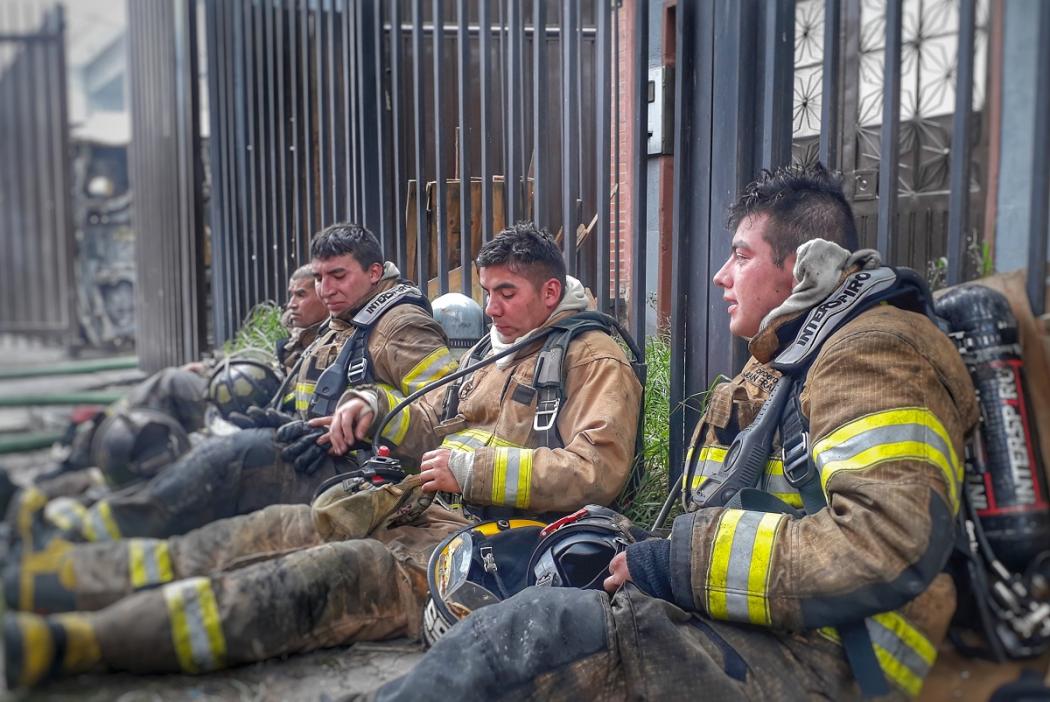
(575,551)
(134,444)
(239,383)
(478,565)
(461,318)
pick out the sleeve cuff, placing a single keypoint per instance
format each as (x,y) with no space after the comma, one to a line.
(681,561)
(649,562)
(461,463)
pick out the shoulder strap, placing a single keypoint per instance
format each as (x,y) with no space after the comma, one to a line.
(353,366)
(450,407)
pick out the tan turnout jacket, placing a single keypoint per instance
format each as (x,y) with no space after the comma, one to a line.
(512,467)
(888,401)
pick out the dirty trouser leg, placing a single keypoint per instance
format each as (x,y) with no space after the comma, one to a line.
(88,577)
(569,644)
(318,597)
(222,477)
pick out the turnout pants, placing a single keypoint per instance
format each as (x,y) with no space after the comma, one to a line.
(570,644)
(222,477)
(313,595)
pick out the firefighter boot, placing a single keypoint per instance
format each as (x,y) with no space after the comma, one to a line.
(41,581)
(37,648)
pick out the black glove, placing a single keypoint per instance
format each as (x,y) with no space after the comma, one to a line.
(301,447)
(259,418)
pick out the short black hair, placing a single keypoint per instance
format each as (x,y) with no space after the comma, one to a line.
(347,238)
(527,250)
(802,203)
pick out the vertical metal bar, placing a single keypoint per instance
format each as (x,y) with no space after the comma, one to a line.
(218,167)
(28,138)
(283,230)
(829,108)
(323,153)
(959,167)
(540,139)
(310,187)
(485,117)
(778,45)
(369,108)
(602,146)
(277,267)
(1040,207)
(513,126)
(889,147)
(384,149)
(439,148)
(639,184)
(463,92)
(337,208)
(569,145)
(348,128)
(21,223)
(396,117)
(422,233)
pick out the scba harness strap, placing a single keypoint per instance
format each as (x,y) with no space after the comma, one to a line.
(735,483)
(353,366)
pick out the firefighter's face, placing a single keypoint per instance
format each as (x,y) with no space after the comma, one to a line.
(515,303)
(342,284)
(304,306)
(752,284)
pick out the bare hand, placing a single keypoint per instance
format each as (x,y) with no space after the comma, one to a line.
(436,475)
(619,573)
(350,424)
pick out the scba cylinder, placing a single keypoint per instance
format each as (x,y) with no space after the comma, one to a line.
(1004,472)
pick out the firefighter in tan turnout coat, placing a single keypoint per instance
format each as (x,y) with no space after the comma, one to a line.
(299,587)
(754,599)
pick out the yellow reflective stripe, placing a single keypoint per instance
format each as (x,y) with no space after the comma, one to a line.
(790,498)
(396,429)
(99,524)
(911,433)
(82,650)
(709,460)
(149,562)
(303,393)
(38,648)
(437,364)
(897,672)
(470,440)
(196,631)
(31,501)
(904,654)
(911,636)
(738,575)
(512,477)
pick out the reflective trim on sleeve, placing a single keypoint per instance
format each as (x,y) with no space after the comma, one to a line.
(149,562)
(470,440)
(435,366)
(778,486)
(99,524)
(738,572)
(907,434)
(396,428)
(196,631)
(512,477)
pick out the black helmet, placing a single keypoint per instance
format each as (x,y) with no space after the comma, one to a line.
(575,551)
(134,444)
(239,383)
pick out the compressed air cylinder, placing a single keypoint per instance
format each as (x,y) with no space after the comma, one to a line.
(1004,472)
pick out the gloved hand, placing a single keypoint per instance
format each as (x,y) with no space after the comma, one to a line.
(259,418)
(301,447)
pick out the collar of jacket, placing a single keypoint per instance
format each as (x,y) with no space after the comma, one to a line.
(576,299)
(390,277)
(302,337)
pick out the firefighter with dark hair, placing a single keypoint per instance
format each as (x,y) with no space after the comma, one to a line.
(290,578)
(822,487)
(380,334)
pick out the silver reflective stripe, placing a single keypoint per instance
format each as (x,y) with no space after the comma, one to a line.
(892,434)
(901,651)
(738,572)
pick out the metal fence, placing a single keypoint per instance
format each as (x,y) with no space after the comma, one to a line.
(37,295)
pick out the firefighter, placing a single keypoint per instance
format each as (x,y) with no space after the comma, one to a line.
(399,349)
(297,589)
(767,597)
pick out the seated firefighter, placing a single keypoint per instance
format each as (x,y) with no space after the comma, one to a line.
(824,578)
(305,582)
(380,333)
(154,423)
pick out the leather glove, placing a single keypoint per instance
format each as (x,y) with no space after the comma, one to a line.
(301,447)
(259,418)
